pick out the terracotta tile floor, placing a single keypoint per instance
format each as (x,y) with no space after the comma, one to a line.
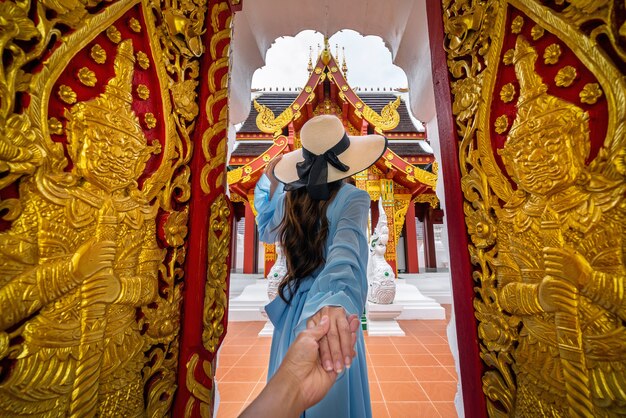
(411,376)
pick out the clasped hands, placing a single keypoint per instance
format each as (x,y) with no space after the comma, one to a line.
(566,272)
(336,348)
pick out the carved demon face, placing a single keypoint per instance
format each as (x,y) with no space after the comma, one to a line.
(547,159)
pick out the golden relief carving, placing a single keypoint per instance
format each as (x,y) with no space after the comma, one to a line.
(215,298)
(90,301)
(549,254)
(401,206)
(431,199)
(78,261)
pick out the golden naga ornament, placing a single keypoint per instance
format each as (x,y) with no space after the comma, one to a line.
(544,201)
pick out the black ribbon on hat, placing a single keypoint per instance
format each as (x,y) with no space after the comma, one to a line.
(313,171)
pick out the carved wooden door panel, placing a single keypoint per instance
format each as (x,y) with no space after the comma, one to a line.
(539,98)
(101,129)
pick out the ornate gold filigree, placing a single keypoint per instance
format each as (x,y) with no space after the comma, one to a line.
(402,202)
(202,394)
(215,301)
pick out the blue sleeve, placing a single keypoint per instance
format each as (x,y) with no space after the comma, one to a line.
(343,281)
(269,211)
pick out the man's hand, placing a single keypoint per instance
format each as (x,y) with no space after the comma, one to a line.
(300,381)
(337,347)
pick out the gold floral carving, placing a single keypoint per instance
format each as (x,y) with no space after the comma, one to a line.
(67,94)
(590,93)
(142,60)
(83,350)
(87,77)
(565,77)
(501,124)
(55,126)
(548,254)
(134,25)
(143,92)
(98,54)
(507,93)
(537,32)
(114,34)
(517,24)
(552,54)
(149,120)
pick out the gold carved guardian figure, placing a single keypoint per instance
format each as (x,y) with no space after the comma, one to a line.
(76,265)
(561,259)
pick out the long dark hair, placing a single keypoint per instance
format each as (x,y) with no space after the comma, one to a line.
(302,233)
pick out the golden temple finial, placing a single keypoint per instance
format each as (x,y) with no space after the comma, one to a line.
(310,66)
(326,51)
(337,51)
(344,66)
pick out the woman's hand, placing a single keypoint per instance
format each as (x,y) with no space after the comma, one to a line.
(269,172)
(337,346)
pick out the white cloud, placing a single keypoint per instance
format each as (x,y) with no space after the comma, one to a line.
(368,60)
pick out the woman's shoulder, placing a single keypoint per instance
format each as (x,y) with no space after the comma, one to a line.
(349,194)
(354,192)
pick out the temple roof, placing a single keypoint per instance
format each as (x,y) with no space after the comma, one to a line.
(277,102)
(402,148)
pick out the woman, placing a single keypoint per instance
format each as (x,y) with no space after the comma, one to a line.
(321,224)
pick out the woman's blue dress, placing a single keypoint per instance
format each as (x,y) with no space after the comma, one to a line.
(340,281)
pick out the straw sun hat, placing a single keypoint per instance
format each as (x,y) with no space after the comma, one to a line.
(328,154)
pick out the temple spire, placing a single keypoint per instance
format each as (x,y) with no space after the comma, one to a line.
(344,66)
(310,66)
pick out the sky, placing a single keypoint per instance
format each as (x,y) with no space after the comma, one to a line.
(368,60)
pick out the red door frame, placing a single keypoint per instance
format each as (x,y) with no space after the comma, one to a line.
(471,365)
